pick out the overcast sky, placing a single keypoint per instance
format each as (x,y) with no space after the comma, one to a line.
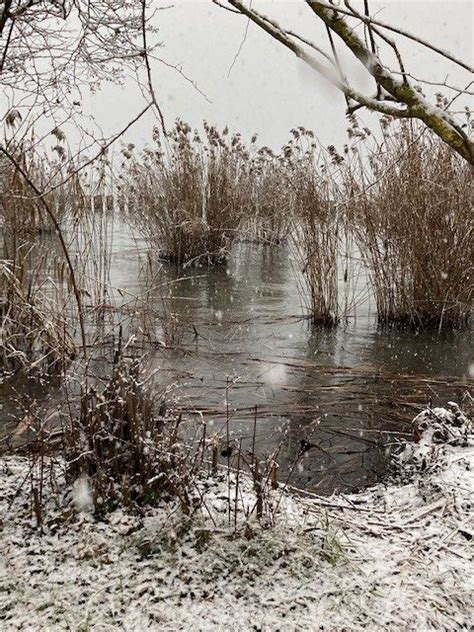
(268,90)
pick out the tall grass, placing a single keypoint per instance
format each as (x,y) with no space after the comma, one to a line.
(22,213)
(269,218)
(37,322)
(188,195)
(35,333)
(39,312)
(410,205)
(315,236)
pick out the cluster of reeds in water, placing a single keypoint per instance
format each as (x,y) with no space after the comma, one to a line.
(39,307)
(35,285)
(409,205)
(192,197)
(405,202)
(188,196)
(22,212)
(270,210)
(316,224)
(35,331)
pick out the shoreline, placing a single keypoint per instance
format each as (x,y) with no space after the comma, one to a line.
(391,557)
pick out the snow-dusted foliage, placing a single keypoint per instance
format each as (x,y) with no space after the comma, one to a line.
(433,430)
(441,425)
(397,557)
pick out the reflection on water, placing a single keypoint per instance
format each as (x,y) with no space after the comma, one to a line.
(335,396)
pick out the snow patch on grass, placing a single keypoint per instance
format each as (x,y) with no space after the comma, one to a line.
(393,557)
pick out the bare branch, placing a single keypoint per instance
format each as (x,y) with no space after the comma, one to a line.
(273,29)
(236,56)
(148,67)
(398,99)
(403,33)
(417,106)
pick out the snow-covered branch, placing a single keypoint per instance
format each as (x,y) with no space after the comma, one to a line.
(395,95)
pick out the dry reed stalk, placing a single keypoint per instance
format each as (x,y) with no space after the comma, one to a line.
(272,206)
(316,231)
(188,197)
(39,315)
(35,330)
(410,207)
(22,214)
(129,453)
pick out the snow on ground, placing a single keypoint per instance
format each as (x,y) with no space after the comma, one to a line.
(395,557)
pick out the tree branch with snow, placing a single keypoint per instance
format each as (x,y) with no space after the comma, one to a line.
(395,94)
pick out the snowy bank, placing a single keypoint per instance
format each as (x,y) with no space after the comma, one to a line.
(394,557)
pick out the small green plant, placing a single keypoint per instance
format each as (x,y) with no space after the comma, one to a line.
(331,548)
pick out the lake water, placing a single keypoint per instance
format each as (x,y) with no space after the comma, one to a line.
(245,347)
(246,342)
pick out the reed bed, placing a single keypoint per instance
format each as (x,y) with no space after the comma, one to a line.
(40,257)
(410,206)
(22,212)
(273,199)
(38,315)
(35,332)
(315,237)
(188,195)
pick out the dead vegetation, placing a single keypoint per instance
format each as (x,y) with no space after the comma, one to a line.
(188,195)
(123,446)
(36,334)
(410,205)
(270,216)
(316,225)
(22,212)
(321,551)
(191,199)
(37,317)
